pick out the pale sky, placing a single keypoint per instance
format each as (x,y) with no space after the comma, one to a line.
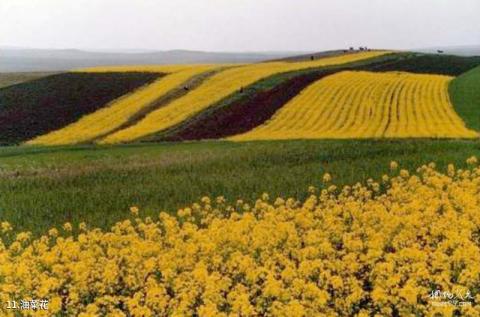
(238,25)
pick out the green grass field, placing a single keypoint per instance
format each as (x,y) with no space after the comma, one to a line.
(465,95)
(9,79)
(44,187)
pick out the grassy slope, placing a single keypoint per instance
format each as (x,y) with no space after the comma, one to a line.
(465,95)
(41,187)
(42,105)
(9,79)
(432,64)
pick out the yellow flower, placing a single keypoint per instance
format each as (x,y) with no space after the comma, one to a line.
(404,173)
(67,226)
(82,226)
(6,226)
(393,165)
(134,210)
(326,178)
(53,232)
(286,258)
(23,236)
(472,160)
(351,116)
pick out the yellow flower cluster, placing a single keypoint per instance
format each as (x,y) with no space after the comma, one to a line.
(119,111)
(218,87)
(378,249)
(367,105)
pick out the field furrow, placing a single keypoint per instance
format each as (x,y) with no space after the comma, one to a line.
(357,107)
(367,105)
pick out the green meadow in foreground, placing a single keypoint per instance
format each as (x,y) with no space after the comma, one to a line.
(41,187)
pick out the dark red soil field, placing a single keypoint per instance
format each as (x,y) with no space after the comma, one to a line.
(246,113)
(39,106)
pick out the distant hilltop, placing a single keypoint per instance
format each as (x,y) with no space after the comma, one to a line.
(461,50)
(14,59)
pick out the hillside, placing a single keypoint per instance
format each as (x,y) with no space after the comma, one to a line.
(352,105)
(450,65)
(9,79)
(192,102)
(465,94)
(130,109)
(42,105)
(261,100)
(221,84)
(460,50)
(131,216)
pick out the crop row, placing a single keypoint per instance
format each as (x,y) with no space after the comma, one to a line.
(216,88)
(119,111)
(367,105)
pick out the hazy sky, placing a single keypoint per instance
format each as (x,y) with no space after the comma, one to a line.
(238,25)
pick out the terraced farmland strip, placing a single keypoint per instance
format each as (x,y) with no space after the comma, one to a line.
(216,88)
(450,65)
(246,110)
(393,105)
(42,105)
(175,93)
(243,115)
(120,111)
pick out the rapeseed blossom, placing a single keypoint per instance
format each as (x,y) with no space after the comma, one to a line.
(374,249)
(358,104)
(120,111)
(218,87)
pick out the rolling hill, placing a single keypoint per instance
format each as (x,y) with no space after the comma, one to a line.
(352,105)
(465,94)
(411,99)
(406,193)
(46,104)
(42,60)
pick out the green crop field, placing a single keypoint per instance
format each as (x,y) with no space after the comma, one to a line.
(44,187)
(465,95)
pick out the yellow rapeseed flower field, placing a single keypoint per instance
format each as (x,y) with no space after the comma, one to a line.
(216,88)
(112,116)
(385,248)
(367,105)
